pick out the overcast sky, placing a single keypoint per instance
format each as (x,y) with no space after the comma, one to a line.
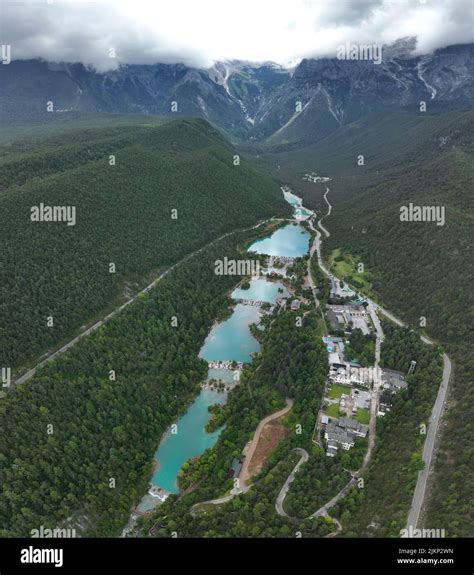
(199,32)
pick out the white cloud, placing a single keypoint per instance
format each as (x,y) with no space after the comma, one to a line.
(198,32)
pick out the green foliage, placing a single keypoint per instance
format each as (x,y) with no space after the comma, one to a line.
(123,216)
(103,428)
(361,348)
(381,507)
(292,363)
(418,269)
(315,484)
(249,515)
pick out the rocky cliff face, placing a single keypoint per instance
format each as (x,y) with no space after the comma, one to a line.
(333,92)
(248,101)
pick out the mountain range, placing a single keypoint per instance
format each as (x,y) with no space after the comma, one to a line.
(257,102)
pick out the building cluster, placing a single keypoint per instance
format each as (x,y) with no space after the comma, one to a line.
(342,371)
(313,177)
(339,290)
(346,317)
(342,433)
(393,380)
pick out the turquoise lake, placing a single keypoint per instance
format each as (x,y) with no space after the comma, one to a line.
(290,241)
(190,440)
(299,212)
(261,290)
(231,339)
(228,340)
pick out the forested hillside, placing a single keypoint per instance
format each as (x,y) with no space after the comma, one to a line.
(145,194)
(292,363)
(78,440)
(419,269)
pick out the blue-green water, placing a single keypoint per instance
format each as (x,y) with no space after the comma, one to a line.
(190,440)
(225,375)
(299,211)
(289,241)
(272,269)
(261,290)
(231,339)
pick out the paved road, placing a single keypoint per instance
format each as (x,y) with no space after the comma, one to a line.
(29,374)
(325,508)
(420,489)
(327,234)
(219,500)
(431,437)
(289,480)
(314,248)
(242,486)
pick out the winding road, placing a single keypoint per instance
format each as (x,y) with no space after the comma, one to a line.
(373,308)
(438,407)
(420,489)
(244,476)
(284,490)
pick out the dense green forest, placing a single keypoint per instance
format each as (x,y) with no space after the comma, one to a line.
(78,438)
(421,271)
(170,188)
(291,363)
(316,483)
(249,515)
(380,508)
(361,348)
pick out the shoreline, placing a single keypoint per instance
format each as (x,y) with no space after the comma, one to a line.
(155,491)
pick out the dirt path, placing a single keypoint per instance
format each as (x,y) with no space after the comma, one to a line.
(242,487)
(244,475)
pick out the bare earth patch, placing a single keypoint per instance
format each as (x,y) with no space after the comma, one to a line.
(273,432)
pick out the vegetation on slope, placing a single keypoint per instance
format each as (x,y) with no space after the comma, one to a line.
(76,426)
(124,216)
(421,271)
(380,508)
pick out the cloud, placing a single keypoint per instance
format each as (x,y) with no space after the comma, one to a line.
(107,33)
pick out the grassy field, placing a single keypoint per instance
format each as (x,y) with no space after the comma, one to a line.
(347,270)
(363,416)
(337,390)
(332,410)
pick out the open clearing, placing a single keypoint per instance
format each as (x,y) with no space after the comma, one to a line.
(273,432)
(337,390)
(363,416)
(332,410)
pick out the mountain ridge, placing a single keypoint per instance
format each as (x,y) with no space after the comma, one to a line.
(247,101)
